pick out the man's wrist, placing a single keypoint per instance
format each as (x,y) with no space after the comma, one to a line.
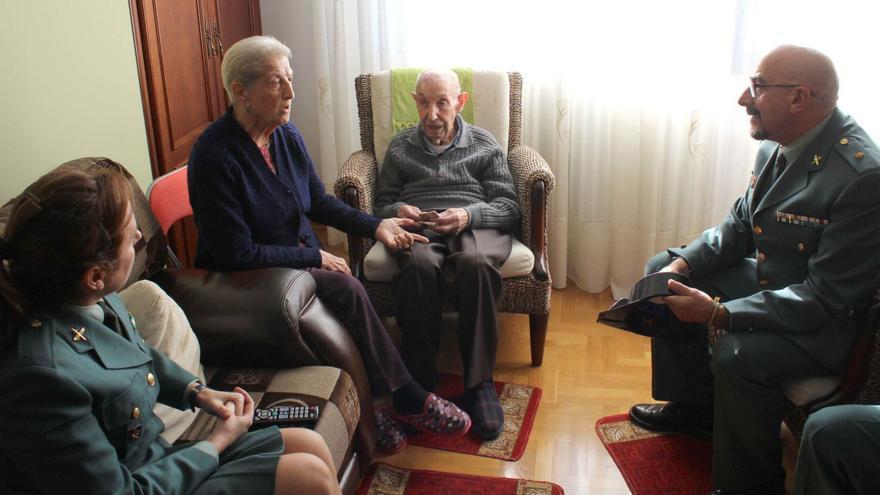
(680,265)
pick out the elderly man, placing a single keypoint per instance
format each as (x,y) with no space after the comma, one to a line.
(780,280)
(453,178)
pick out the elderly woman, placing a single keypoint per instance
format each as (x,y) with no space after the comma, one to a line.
(78,384)
(254,188)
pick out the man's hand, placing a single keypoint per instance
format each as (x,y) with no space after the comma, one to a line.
(334,263)
(689,304)
(410,212)
(390,232)
(678,265)
(451,221)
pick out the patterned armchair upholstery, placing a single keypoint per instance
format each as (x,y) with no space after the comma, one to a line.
(528,293)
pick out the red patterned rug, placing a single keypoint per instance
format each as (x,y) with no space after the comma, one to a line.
(520,403)
(384,479)
(657,463)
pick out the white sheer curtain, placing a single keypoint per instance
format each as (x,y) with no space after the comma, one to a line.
(633,103)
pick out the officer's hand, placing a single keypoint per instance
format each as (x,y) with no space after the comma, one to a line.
(236,423)
(451,221)
(334,263)
(215,402)
(689,304)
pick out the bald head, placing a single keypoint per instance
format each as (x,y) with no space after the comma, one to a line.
(445,78)
(792,64)
(793,90)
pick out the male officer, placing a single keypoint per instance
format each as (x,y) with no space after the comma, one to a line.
(446,164)
(781,279)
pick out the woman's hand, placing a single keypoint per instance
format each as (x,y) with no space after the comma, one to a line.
(391,233)
(334,263)
(216,403)
(234,422)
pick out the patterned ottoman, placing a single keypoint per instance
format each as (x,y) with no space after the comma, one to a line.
(331,389)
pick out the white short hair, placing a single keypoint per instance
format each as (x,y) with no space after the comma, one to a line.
(246,60)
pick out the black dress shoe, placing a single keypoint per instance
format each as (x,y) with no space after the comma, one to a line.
(673,417)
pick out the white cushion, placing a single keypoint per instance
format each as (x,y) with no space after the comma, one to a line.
(491,101)
(802,392)
(161,322)
(380,265)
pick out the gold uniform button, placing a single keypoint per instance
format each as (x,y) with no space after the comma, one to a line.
(151,379)
(859,155)
(844,141)
(762,257)
(801,247)
(758,230)
(136,412)
(35,323)
(763,281)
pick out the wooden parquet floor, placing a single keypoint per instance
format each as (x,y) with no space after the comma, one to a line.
(589,371)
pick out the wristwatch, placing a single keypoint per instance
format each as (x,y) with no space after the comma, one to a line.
(194,393)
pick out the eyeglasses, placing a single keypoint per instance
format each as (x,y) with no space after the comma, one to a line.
(754,86)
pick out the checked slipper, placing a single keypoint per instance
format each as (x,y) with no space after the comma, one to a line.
(392,438)
(438,416)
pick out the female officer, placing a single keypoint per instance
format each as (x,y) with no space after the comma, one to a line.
(78,385)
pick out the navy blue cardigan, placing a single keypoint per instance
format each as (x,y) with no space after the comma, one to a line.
(247,216)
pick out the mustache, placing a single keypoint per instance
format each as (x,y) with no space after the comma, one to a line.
(753,111)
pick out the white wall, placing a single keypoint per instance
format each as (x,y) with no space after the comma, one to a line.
(291,22)
(69,89)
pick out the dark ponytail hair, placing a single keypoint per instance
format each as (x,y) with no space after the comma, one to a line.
(66,222)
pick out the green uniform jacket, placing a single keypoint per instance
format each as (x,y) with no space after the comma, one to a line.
(76,413)
(813,241)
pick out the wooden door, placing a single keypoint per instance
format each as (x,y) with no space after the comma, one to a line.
(180,44)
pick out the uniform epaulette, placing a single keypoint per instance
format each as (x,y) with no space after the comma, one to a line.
(859,154)
(36,342)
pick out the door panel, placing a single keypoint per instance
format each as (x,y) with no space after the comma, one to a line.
(178,47)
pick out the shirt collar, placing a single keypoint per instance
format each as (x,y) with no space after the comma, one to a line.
(462,139)
(794,150)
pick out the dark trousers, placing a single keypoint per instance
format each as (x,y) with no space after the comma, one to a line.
(469,262)
(840,452)
(740,376)
(347,299)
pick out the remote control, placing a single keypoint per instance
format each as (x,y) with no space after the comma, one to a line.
(284,415)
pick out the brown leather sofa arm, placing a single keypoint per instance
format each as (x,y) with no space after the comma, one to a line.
(245,318)
(333,345)
(270,318)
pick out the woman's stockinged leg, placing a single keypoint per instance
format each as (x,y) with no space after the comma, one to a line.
(306,467)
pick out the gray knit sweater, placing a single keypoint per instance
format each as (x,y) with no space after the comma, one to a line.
(471,174)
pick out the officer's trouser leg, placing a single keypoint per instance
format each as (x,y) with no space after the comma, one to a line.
(680,373)
(840,452)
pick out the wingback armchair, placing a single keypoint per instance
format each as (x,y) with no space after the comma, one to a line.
(497,100)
